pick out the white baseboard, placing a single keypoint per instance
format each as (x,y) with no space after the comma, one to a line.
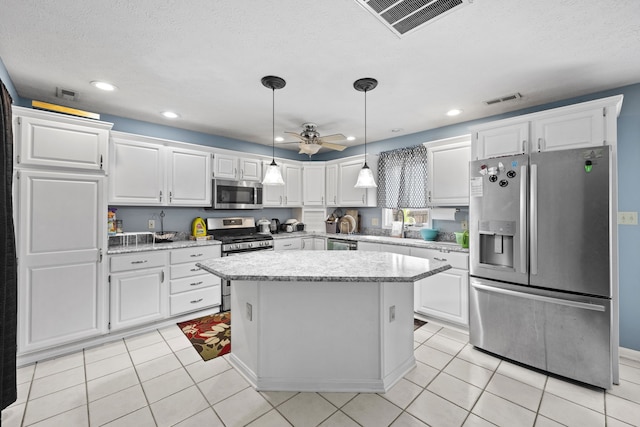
(630,354)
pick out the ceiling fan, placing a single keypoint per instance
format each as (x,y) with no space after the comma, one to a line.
(312,142)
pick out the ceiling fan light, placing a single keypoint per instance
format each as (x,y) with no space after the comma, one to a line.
(273,176)
(365,178)
(309,149)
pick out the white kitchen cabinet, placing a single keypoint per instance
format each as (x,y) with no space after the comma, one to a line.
(287,195)
(501,140)
(144,172)
(286,244)
(348,195)
(313,243)
(61,231)
(227,166)
(444,295)
(313,179)
(569,130)
(52,140)
(368,246)
(448,166)
(191,287)
(331,185)
(138,289)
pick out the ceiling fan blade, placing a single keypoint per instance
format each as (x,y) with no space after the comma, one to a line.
(336,137)
(333,146)
(297,135)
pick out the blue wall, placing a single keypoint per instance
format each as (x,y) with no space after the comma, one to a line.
(179,219)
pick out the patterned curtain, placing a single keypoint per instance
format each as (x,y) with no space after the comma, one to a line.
(402,178)
(8,276)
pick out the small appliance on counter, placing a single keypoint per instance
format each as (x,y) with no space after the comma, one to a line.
(299,227)
(264,226)
(274,227)
(290,226)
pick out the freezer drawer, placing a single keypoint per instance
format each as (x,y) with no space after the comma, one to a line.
(543,329)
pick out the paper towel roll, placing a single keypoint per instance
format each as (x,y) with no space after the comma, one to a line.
(443,214)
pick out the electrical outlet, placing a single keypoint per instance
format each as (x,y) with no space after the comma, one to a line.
(628,218)
(465,225)
(152,224)
(374,221)
(392,313)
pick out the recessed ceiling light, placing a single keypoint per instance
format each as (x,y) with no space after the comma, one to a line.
(454,112)
(103,85)
(170,114)
(351,138)
(278,139)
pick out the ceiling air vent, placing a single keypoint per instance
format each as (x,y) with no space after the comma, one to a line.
(511,97)
(66,94)
(405,16)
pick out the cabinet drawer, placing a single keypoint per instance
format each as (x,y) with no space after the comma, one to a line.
(187,269)
(137,261)
(198,253)
(195,300)
(194,282)
(287,244)
(455,259)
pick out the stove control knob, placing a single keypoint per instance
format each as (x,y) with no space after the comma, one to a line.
(249,245)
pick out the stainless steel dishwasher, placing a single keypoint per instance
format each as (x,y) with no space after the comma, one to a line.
(334,244)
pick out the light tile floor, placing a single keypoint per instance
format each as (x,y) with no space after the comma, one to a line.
(158,379)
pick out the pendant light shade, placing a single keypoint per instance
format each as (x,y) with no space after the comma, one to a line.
(273,176)
(365,177)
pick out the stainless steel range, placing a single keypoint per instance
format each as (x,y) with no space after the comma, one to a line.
(238,236)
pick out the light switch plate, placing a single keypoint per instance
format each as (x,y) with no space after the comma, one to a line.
(374,221)
(152,224)
(628,218)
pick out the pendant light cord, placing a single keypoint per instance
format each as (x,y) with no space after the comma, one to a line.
(273,124)
(365,127)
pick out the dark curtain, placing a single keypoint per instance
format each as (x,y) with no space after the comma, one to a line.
(8,270)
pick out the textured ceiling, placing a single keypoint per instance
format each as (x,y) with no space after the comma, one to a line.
(205,59)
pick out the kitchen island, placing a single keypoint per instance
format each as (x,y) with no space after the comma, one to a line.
(338,321)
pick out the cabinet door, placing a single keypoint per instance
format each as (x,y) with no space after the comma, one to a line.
(272,195)
(136,173)
(250,169)
(225,166)
(502,141)
(313,181)
(348,195)
(572,130)
(293,185)
(307,243)
(68,144)
(138,297)
(331,190)
(188,176)
(449,174)
(319,243)
(445,296)
(61,224)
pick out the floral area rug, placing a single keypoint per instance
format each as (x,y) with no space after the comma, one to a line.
(209,335)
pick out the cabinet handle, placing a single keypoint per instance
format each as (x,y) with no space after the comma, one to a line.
(322,200)
(162,277)
(196,301)
(335,199)
(100,161)
(363,199)
(241,173)
(235,171)
(524,144)
(100,255)
(170,196)
(160,195)
(286,246)
(303,244)
(286,199)
(139,262)
(280,199)
(196,283)
(439,259)
(195,255)
(195,269)
(539,143)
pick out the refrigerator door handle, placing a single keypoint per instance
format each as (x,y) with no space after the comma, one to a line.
(523,218)
(542,298)
(534,219)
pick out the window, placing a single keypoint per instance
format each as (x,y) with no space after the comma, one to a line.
(416,217)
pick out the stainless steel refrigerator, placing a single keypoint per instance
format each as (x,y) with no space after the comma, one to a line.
(541,279)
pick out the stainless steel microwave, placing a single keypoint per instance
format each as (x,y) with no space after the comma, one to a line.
(236,194)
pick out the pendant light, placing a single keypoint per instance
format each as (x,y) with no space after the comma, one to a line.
(273,176)
(365,177)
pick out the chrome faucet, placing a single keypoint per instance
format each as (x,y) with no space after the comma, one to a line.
(402,229)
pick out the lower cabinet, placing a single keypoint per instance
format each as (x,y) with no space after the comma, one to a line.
(191,287)
(313,243)
(444,295)
(292,243)
(138,290)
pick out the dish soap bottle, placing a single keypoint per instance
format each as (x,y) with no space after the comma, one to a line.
(198,228)
(111,222)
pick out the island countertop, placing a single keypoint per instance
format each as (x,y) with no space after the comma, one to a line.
(324,266)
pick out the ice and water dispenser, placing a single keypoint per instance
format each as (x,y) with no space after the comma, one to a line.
(496,243)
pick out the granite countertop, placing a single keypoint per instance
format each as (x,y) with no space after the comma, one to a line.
(142,247)
(324,266)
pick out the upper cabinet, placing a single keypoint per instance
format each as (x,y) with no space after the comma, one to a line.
(287,195)
(313,182)
(331,185)
(348,195)
(236,168)
(587,124)
(56,140)
(145,172)
(449,171)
